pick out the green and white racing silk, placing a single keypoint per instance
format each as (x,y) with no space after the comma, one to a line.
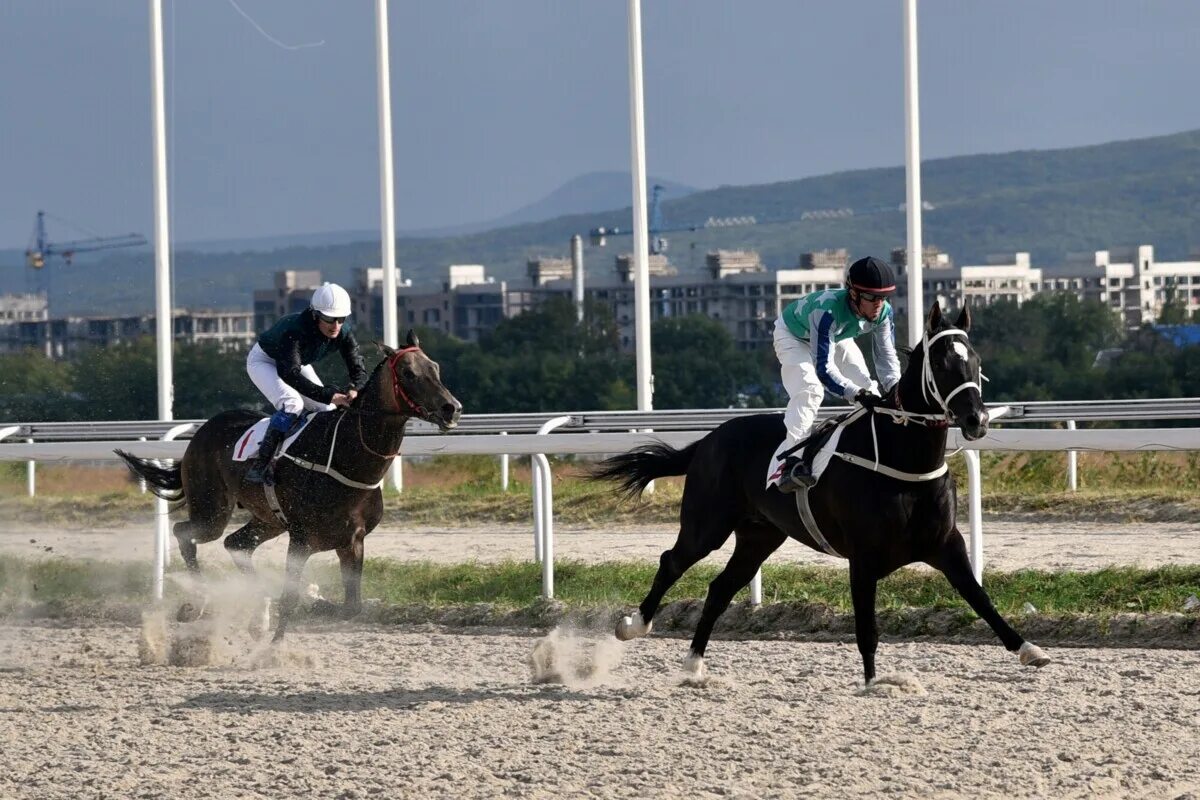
(825,317)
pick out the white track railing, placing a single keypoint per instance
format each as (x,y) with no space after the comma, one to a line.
(577,434)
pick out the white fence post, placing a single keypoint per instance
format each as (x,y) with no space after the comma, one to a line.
(1072,462)
(162,525)
(398,474)
(543,508)
(142,481)
(975,513)
(504,468)
(31,475)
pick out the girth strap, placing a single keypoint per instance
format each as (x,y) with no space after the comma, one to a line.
(883,469)
(273,504)
(810,523)
(331,472)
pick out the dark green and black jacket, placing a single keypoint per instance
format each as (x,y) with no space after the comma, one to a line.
(295,340)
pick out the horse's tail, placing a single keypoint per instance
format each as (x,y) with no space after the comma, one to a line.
(641,465)
(165,483)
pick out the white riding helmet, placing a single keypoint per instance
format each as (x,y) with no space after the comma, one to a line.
(331,300)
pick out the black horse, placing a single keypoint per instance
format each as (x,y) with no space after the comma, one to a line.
(879,521)
(327,486)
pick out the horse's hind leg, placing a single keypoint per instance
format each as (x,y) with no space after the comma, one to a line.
(752,547)
(952,560)
(209,508)
(700,533)
(242,543)
(191,532)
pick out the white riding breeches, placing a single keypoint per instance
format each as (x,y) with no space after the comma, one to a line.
(265,374)
(805,390)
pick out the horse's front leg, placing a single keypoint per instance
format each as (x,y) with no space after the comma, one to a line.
(298,554)
(862,593)
(351,558)
(952,560)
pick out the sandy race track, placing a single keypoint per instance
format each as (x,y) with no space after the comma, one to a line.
(351,711)
(408,712)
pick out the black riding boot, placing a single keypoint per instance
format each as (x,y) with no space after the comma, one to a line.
(259,473)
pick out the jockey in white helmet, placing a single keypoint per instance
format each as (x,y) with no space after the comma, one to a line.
(280,364)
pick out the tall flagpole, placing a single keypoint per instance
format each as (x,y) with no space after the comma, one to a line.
(641,268)
(162,233)
(912,172)
(387,198)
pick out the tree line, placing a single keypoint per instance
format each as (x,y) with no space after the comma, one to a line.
(545,360)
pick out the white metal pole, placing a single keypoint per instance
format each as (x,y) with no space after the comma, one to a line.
(504,468)
(397,472)
(387,201)
(577,274)
(547,500)
(756,588)
(30,475)
(162,232)
(1072,463)
(162,524)
(912,171)
(641,267)
(975,513)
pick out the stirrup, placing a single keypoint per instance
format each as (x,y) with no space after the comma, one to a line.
(260,476)
(798,477)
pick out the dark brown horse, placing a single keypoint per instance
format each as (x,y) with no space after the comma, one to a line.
(878,521)
(327,485)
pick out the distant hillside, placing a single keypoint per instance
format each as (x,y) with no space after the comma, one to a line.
(1047,202)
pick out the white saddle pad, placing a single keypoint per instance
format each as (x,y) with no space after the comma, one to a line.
(820,461)
(247,444)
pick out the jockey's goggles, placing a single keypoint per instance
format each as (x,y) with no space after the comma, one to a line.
(870,297)
(330,320)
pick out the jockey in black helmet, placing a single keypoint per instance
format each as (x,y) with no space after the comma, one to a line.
(814,340)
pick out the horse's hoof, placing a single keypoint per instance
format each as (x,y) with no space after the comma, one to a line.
(693,665)
(632,627)
(188,612)
(1032,656)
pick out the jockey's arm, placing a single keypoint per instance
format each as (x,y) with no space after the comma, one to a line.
(883,352)
(353,359)
(288,369)
(821,326)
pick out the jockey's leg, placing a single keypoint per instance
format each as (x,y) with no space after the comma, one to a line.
(277,431)
(805,392)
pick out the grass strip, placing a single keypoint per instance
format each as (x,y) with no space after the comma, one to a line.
(517,584)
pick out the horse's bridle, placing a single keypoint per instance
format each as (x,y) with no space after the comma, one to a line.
(929,385)
(398,388)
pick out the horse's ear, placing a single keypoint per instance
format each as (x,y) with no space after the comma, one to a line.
(964,319)
(935,318)
(413,341)
(387,351)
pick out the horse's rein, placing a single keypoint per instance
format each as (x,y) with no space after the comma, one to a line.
(400,394)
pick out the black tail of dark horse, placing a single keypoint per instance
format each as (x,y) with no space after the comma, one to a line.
(634,470)
(165,483)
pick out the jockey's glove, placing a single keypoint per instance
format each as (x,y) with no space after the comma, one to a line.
(868,399)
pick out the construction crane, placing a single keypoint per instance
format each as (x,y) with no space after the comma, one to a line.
(40,248)
(658,242)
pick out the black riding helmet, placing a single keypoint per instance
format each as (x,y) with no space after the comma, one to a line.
(872,275)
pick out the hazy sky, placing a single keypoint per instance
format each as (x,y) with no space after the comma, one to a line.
(497,102)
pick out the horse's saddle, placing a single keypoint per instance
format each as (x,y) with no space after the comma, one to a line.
(248,443)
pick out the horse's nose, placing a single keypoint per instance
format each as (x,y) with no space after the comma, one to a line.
(451,411)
